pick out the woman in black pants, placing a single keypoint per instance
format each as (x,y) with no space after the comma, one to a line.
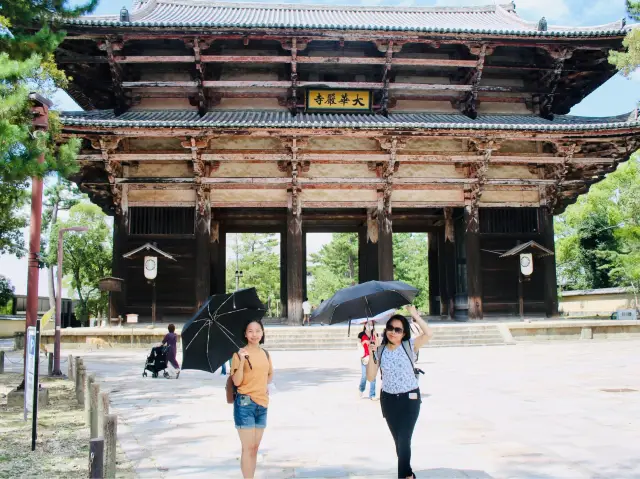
(400,397)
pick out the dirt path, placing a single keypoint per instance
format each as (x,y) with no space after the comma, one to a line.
(62,447)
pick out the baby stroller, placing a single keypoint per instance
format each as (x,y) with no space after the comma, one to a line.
(156,362)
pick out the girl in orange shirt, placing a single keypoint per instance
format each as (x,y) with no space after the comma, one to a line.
(252,372)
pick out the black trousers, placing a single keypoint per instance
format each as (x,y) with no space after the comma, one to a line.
(401,414)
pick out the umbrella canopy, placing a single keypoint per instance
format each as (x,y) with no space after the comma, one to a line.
(211,337)
(365,300)
(378,318)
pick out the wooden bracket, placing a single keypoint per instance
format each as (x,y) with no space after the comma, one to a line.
(110,45)
(469,106)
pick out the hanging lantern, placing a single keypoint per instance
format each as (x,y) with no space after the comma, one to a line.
(526,264)
(150,267)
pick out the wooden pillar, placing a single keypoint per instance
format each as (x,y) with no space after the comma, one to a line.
(283,272)
(385,246)
(549,263)
(203,252)
(117,303)
(442,274)
(294,267)
(434,282)
(472,248)
(367,257)
(218,258)
(304,265)
(450,262)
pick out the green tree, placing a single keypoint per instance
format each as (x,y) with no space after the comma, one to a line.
(27,43)
(13,196)
(258,257)
(334,267)
(628,60)
(6,294)
(60,196)
(87,257)
(410,260)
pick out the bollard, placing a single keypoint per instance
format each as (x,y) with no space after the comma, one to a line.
(1,362)
(70,367)
(96,458)
(103,411)
(110,437)
(50,368)
(94,410)
(89,380)
(80,378)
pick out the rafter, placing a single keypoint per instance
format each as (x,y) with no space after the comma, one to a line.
(110,46)
(551,79)
(469,105)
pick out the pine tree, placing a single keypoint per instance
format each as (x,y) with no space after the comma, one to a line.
(628,61)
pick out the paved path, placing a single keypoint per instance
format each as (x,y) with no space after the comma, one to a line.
(524,411)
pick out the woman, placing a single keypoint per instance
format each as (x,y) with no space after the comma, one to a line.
(252,372)
(366,335)
(400,398)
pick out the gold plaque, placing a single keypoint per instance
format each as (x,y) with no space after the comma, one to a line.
(319,99)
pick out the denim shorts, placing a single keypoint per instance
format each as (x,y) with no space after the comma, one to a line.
(247,414)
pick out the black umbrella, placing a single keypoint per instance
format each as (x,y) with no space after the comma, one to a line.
(364,300)
(211,337)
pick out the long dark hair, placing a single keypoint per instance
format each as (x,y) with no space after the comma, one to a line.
(405,326)
(247,327)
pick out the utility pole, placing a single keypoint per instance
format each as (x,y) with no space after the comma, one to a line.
(40,123)
(56,344)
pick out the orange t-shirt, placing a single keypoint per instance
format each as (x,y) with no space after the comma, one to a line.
(254,382)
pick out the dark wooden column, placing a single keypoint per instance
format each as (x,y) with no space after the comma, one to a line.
(203,251)
(385,247)
(367,256)
(304,265)
(442,274)
(218,257)
(472,247)
(118,270)
(283,272)
(450,261)
(434,279)
(294,267)
(549,263)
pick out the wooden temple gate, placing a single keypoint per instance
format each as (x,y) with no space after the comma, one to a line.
(199,124)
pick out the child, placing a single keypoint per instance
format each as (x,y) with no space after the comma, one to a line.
(170,339)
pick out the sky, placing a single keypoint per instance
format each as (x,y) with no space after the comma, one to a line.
(619,95)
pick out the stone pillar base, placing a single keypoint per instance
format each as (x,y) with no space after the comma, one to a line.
(15,398)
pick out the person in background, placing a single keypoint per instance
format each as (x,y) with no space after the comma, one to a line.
(171,339)
(366,335)
(306,309)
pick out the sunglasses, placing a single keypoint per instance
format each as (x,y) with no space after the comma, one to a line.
(391,329)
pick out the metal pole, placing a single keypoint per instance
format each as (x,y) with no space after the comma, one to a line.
(153,305)
(56,345)
(40,123)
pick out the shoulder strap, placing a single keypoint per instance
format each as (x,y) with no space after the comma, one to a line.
(379,355)
(406,345)
(267,353)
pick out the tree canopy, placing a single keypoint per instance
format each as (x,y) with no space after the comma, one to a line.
(628,61)
(28,38)
(598,238)
(87,257)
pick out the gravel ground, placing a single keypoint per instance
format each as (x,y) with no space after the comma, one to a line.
(62,446)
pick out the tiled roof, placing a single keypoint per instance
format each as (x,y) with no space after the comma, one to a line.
(492,19)
(284,119)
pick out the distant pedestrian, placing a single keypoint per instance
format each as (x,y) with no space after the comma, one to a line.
(400,397)
(306,309)
(252,372)
(366,335)
(171,339)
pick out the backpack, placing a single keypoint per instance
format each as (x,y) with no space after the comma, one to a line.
(230,388)
(406,345)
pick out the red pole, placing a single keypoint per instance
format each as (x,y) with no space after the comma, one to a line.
(40,122)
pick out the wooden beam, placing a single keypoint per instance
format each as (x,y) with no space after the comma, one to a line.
(551,80)
(469,105)
(200,76)
(122,103)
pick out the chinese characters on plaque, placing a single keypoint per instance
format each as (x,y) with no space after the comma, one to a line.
(335,100)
